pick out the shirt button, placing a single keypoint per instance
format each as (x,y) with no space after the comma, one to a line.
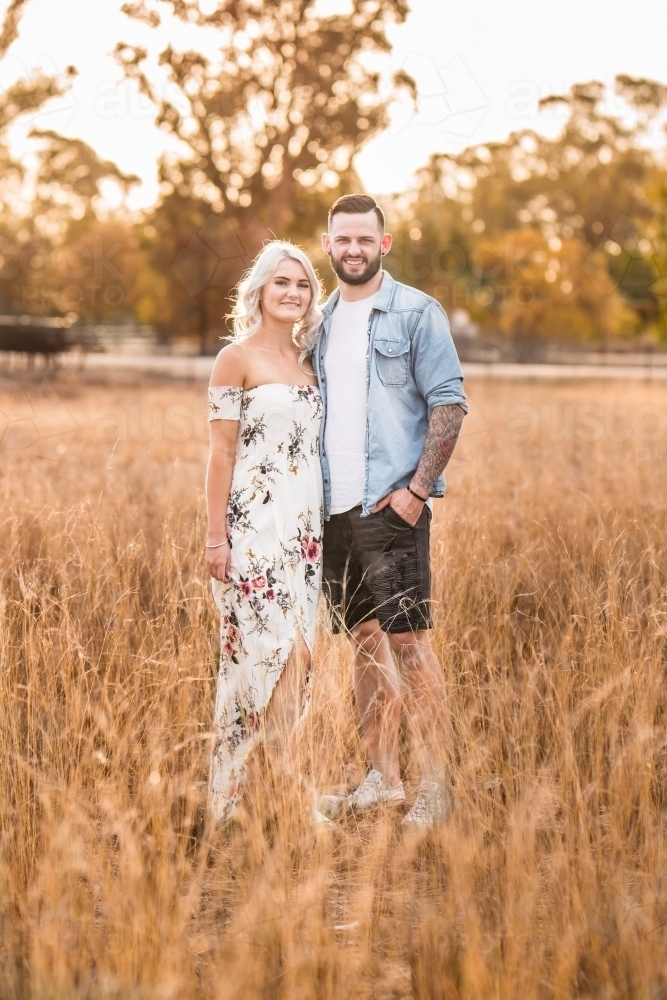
(390,350)
(366,454)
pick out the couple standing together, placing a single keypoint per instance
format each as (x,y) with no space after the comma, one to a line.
(330,431)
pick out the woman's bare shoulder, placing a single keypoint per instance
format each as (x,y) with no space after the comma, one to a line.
(230,366)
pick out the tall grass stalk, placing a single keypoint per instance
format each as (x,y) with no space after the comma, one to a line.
(550,563)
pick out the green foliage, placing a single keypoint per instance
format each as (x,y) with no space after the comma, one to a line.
(70,176)
(56,254)
(267,131)
(544,238)
(536,238)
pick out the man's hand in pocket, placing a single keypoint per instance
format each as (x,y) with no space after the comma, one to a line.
(403,503)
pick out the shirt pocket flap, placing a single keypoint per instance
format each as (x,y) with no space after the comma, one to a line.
(392,348)
(392,361)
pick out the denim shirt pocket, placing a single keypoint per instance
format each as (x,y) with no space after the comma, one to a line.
(392,361)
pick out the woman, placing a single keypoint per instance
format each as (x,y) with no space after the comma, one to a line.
(264,496)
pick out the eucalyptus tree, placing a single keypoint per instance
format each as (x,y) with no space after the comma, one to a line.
(267,114)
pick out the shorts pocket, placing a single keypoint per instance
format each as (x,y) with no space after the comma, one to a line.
(392,361)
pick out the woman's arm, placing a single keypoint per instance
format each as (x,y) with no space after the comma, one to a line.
(218,483)
(227,371)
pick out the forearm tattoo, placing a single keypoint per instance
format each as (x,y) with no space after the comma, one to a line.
(441,436)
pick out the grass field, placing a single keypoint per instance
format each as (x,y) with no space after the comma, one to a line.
(550,565)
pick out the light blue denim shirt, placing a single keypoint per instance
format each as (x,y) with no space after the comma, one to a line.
(412,366)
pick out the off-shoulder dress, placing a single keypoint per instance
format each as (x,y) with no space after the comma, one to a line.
(274,524)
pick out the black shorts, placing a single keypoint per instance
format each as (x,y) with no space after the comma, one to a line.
(378,567)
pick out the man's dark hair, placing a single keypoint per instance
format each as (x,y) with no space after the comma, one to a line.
(353,204)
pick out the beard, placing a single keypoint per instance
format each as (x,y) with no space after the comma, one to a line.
(372,267)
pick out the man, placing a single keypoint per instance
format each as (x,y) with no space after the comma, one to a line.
(393,406)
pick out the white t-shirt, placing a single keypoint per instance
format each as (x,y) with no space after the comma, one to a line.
(345,364)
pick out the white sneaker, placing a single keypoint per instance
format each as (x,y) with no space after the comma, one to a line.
(371,793)
(331,805)
(432,805)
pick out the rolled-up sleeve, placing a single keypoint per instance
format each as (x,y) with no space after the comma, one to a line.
(436,367)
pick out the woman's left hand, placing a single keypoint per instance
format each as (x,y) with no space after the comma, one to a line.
(218,562)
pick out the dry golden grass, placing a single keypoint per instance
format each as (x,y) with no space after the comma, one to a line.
(550,562)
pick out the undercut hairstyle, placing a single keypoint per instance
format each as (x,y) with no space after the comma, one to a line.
(356,204)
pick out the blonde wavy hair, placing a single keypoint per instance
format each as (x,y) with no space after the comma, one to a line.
(246,314)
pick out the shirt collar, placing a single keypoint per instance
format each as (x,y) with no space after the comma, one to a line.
(382,301)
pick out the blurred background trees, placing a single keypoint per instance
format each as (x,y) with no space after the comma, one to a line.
(548,238)
(266,127)
(532,239)
(60,249)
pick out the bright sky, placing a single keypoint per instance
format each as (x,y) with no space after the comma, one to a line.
(481,66)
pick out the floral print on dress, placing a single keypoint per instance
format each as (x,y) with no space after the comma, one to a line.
(224,402)
(253,432)
(274,521)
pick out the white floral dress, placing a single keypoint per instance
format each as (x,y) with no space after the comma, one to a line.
(274,523)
